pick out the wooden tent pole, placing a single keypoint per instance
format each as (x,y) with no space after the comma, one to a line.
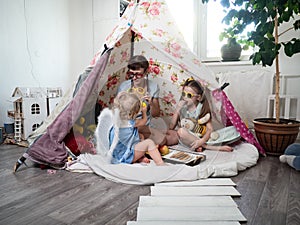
(132,38)
(132,43)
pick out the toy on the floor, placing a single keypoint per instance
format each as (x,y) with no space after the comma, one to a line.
(84,128)
(291,156)
(79,139)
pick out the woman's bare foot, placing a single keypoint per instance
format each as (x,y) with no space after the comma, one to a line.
(144,159)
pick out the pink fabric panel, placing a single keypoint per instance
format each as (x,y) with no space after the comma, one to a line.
(235,120)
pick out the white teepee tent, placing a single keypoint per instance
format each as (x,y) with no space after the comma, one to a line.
(146,28)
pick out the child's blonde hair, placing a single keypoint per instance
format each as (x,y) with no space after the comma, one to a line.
(128,104)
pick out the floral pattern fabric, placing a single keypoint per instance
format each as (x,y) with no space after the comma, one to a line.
(159,40)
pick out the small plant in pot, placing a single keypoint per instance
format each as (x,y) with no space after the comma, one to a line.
(236,43)
(274,134)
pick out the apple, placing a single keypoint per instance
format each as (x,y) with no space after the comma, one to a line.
(164,150)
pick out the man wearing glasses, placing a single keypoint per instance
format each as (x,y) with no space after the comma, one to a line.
(148,91)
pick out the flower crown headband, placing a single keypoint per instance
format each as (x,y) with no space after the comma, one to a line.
(185,82)
(189,80)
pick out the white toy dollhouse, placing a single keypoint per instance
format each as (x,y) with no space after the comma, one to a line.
(31,106)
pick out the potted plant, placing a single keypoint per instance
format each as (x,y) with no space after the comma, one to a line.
(267,16)
(231,51)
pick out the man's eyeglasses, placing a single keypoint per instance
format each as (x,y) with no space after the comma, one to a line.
(188,94)
(131,75)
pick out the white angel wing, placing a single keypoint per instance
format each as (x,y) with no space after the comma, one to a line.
(105,123)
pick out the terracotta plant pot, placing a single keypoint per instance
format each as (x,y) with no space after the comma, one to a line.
(275,137)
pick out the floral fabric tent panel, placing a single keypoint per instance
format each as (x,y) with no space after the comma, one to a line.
(157,38)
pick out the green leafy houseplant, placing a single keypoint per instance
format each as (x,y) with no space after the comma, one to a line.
(266,16)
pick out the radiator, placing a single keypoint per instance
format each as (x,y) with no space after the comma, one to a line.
(289,106)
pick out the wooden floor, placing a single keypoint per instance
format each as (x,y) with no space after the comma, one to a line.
(270,195)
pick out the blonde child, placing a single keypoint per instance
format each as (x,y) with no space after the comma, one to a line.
(124,136)
(137,82)
(193,104)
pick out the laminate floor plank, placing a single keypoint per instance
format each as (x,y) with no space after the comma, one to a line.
(272,207)
(43,200)
(202,182)
(27,186)
(269,195)
(186,201)
(293,212)
(180,222)
(194,191)
(189,213)
(251,183)
(102,208)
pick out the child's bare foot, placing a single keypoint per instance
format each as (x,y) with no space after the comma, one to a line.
(162,163)
(144,159)
(226,148)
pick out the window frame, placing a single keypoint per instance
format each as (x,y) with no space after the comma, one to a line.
(200,37)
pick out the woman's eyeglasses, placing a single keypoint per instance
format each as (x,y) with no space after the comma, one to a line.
(188,94)
(131,75)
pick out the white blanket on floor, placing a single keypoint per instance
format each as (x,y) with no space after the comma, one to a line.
(217,164)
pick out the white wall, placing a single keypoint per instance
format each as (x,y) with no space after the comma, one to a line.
(48,43)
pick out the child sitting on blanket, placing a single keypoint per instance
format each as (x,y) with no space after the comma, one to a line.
(193,104)
(124,136)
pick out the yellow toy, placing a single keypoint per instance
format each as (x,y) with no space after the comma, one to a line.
(192,125)
(84,129)
(195,126)
(198,127)
(79,127)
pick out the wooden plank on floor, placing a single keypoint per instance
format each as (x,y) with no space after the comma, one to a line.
(187,201)
(190,213)
(194,191)
(202,182)
(293,213)
(183,222)
(274,197)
